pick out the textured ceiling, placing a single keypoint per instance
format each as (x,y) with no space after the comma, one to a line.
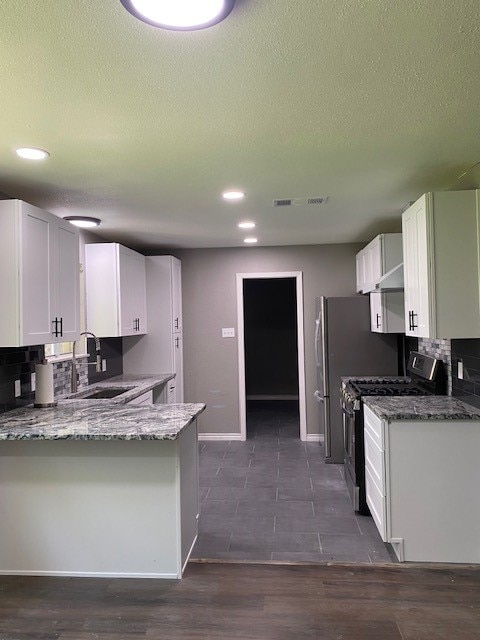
(369,102)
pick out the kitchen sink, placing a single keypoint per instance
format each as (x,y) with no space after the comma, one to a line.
(101,394)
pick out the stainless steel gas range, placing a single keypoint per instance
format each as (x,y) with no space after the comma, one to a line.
(426,377)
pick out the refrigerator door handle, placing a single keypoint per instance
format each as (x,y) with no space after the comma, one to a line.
(317,337)
(323,338)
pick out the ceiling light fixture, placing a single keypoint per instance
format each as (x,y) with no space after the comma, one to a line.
(250,240)
(32,153)
(246,225)
(180,15)
(85,222)
(233,195)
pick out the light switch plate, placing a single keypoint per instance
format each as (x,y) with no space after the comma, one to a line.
(33,381)
(460,370)
(104,365)
(228,332)
(18,389)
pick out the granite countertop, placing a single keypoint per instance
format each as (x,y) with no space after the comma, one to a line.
(135,385)
(80,418)
(421,408)
(98,420)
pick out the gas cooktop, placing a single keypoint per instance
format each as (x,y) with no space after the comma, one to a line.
(389,389)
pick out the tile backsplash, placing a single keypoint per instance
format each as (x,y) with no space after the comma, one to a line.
(468,353)
(17,364)
(440,348)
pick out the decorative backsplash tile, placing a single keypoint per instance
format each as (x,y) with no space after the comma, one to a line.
(440,348)
(62,376)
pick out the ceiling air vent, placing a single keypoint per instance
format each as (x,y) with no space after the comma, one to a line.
(283,203)
(298,202)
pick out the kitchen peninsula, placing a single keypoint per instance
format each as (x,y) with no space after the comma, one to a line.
(98,488)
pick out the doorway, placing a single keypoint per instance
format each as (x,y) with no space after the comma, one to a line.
(271,347)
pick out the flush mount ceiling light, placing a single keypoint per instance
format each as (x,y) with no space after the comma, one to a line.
(180,15)
(233,195)
(32,153)
(250,240)
(246,225)
(84,222)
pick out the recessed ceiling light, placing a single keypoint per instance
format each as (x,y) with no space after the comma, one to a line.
(31,153)
(246,225)
(84,222)
(180,15)
(250,240)
(233,195)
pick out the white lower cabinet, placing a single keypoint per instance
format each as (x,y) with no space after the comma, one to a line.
(387,312)
(39,284)
(421,478)
(145,398)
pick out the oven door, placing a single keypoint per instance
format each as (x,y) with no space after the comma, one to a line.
(349,417)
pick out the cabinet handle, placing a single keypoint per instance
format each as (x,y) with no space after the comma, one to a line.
(61,327)
(176,342)
(176,323)
(414,315)
(378,321)
(55,330)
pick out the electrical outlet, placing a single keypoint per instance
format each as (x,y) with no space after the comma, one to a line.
(104,365)
(18,389)
(228,332)
(33,381)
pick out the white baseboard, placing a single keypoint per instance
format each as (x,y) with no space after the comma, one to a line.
(219,436)
(314,437)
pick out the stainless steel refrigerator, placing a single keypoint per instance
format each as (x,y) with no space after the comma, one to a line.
(345,346)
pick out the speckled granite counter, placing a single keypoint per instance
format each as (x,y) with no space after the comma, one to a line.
(421,408)
(135,385)
(98,420)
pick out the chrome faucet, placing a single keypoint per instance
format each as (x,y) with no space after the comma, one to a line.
(98,363)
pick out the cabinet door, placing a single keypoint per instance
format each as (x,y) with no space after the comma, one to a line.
(37,239)
(416,270)
(376,312)
(67,306)
(133,307)
(178,365)
(139,295)
(375,263)
(177,323)
(360,267)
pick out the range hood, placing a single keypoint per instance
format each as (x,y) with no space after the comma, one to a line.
(392,280)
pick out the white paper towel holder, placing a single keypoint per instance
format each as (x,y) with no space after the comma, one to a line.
(44,391)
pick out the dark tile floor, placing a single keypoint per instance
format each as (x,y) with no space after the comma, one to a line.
(274,498)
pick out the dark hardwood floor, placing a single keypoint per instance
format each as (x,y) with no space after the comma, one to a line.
(249,602)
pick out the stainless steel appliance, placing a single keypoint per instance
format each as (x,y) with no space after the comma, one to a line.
(345,346)
(426,377)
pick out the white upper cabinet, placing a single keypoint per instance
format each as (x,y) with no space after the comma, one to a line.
(115,290)
(441,265)
(39,288)
(387,312)
(380,255)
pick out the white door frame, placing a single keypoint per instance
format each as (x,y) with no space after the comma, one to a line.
(242,391)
